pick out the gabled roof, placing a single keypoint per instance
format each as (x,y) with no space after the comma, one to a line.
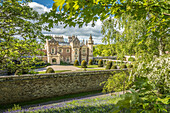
(75,39)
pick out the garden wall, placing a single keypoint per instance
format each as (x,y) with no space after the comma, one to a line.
(30,87)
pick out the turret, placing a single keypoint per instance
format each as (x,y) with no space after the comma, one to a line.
(90,45)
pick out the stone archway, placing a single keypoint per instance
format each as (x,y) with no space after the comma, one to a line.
(54,61)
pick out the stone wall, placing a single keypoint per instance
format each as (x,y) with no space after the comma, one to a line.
(30,87)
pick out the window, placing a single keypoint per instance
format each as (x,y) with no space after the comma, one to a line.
(84,50)
(68,50)
(52,50)
(68,59)
(75,51)
(60,50)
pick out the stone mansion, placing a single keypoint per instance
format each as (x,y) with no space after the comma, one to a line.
(58,50)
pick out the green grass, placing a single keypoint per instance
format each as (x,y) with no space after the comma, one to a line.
(59,71)
(91,69)
(38,101)
(90,66)
(102,104)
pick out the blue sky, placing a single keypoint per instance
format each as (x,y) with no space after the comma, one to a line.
(47,3)
(42,6)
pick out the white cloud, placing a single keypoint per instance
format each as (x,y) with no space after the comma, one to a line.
(82,33)
(39,8)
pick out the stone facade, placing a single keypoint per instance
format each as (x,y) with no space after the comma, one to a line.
(57,50)
(30,87)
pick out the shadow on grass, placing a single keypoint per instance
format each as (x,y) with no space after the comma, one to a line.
(51,100)
(96,108)
(82,109)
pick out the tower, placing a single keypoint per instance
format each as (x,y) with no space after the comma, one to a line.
(90,45)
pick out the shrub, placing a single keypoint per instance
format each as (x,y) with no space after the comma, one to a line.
(84,64)
(130,66)
(114,67)
(131,59)
(123,66)
(15,108)
(18,72)
(21,71)
(100,64)
(48,64)
(90,62)
(76,63)
(109,65)
(50,70)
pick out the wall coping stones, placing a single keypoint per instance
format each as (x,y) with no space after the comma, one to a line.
(55,75)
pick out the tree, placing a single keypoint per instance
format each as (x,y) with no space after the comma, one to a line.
(104,50)
(83,64)
(76,63)
(20,27)
(135,39)
(145,25)
(89,10)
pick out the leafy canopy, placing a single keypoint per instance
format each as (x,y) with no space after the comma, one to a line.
(20,27)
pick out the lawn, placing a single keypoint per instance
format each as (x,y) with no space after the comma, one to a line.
(59,71)
(90,66)
(87,105)
(91,69)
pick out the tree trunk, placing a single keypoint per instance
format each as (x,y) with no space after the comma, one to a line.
(161,47)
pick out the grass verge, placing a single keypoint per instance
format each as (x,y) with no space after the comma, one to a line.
(90,69)
(38,101)
(59,71)
(90,66)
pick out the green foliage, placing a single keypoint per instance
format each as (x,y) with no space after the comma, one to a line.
(90,62)
(109,65)
(19,20)
(123,66)
(114,67)
(15,108)
(76,63)
(117,82)
(100,63)
(130,66)
(157,72)
(83,64)
(142,98)
(131,59)
(21,71)
(84,69)
(50,70)
(104,50)
(64,63)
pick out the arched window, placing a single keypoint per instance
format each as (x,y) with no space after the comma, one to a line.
(75,51)
(53,60)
